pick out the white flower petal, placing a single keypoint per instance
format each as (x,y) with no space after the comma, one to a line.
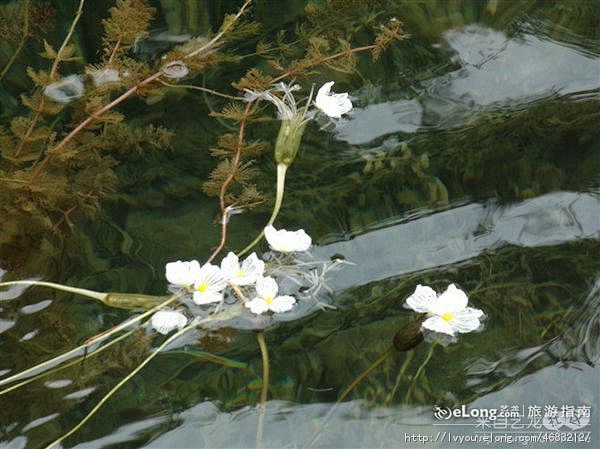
(257,305)
(437,324)
(422,299)
(287,241)
(164,321)
(182,273)
(271,235)
(334,105)
(230,266)
(452,300)
(212,276)
(244,280)
(471,312)
(282,303)
(266,287)
(253,265)
(207,297)
(466,320)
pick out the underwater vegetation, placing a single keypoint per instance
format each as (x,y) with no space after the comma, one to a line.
(60,154)
(158,159)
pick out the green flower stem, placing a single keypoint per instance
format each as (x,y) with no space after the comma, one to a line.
(260,336)
(119,300)
(228,314)
(281,171)
(65,288)
(90,342)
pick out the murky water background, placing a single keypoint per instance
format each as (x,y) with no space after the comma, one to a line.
(472,156)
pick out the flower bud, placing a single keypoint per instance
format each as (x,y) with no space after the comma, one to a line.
(409,336)
(288,140)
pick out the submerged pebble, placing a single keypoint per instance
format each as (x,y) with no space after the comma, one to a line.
(66,90)
(105,76)
(175,69)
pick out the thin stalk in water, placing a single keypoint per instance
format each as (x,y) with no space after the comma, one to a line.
(224,316)
(382,358)
(281,171)
(90,342)
(418,374)
(260,336)
(66,365)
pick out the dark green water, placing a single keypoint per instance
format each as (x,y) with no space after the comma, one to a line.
(471,157)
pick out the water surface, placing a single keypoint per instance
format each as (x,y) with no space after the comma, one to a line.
(471,157)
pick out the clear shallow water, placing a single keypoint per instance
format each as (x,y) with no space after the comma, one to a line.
(505,106)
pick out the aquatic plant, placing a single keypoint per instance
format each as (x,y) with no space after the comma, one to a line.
(20,22)
(418,176)
(448,314)
(70,143)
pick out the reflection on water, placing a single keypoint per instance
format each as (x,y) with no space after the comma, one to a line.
(499,69)
(496,71)
(462,233)
(530,263)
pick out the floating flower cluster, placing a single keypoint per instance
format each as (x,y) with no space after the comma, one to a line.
(207,283)
(447,313)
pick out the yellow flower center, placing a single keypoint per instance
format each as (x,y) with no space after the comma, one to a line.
(241,273)
(447,316)
(268,299)
(202,287)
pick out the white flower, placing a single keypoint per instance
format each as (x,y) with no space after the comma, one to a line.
(448,312)
(334,105)
(164,321)
(287,241)
(252,268)
(209,285)
(286,106)
(182,273)
(267,299)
